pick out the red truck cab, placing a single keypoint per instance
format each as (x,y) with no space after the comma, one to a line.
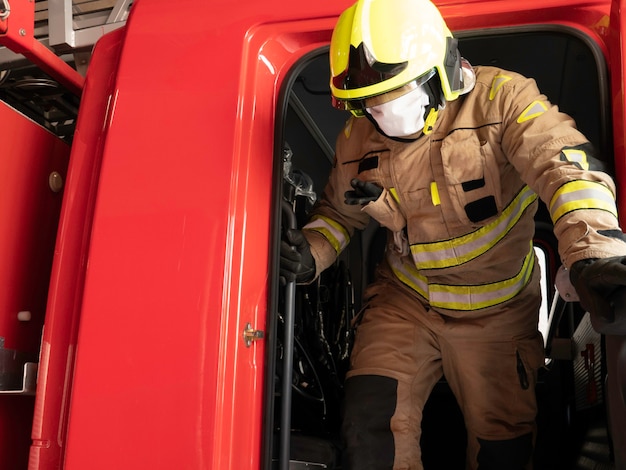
(147,180)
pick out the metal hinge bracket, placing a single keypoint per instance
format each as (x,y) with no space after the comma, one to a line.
(250,335)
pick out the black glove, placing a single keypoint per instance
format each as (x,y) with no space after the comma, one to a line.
(601,287)
(364,192)
(296,261)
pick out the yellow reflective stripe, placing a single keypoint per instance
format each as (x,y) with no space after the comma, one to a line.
(468,297)
(497,83)
(394,194)
(576,156)
(434,194)
(409,275)
(485,295)
(534,109)
(334,232)
(347,130)
(581,194)
(456,251)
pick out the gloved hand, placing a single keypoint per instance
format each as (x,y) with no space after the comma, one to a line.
(601,286)
(296,261)
(363,193)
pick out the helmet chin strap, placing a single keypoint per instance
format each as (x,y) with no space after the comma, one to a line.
(429,122)
(436,103)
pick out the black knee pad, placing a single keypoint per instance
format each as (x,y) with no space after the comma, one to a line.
(369,404)
(510,454)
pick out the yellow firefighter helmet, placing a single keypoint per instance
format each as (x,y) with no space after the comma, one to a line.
(381,45)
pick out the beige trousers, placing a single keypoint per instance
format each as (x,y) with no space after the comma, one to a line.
(488,357)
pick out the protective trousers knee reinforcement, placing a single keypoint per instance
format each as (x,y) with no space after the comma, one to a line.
(510,454)
(369,405)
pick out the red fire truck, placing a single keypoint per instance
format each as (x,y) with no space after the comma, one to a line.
(154,151)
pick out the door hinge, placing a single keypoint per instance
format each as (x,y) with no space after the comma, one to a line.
(250,335)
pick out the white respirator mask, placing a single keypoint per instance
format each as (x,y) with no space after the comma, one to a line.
(403,116)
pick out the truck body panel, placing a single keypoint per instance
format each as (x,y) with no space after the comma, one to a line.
(29,212)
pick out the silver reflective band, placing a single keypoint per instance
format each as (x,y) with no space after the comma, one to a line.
(463,297)
(460,250)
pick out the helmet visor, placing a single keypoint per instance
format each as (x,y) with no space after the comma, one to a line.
(364,70)
(357,107)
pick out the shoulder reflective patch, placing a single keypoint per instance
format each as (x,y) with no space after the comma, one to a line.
(583,157)
(534,109)
(497,83)
(348,128)
(576,156)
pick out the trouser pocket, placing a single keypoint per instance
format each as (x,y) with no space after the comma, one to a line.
(529,356)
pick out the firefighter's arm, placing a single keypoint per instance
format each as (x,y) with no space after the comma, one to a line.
(593,246)
(557,161)
(304,254)
(323,252)
(332,221)
(560,165)
(327,238)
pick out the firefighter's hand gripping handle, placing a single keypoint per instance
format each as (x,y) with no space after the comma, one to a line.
(296,261)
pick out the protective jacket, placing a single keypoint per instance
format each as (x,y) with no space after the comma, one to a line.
(459,200)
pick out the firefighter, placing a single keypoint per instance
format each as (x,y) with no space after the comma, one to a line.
(451,159)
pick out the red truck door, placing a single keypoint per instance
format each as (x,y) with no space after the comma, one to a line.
(179,250)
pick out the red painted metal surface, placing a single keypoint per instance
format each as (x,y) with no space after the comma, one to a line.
(29,212)
(178,258)
(615,345)
(163,249)
(58,346)
(617,67)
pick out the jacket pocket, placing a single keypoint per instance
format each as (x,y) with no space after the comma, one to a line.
(472,177)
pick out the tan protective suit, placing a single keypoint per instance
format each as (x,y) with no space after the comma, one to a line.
(458,291)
